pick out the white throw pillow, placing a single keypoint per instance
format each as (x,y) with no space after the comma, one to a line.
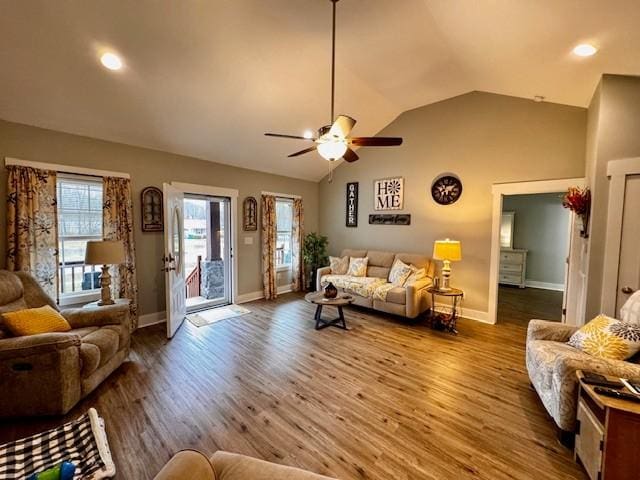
(339,265)
(416,274)
(358,266)
(630,311)
(399,273)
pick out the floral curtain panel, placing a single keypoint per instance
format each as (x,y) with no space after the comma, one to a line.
(268,230)
(118,225)
(32,225)
(297,238)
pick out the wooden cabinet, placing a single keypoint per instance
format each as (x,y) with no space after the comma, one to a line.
(607,435)
(513,267)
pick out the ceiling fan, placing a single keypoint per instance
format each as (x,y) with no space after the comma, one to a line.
(333,141)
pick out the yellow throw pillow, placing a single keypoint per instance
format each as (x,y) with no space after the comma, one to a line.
(35,320)
(606,337)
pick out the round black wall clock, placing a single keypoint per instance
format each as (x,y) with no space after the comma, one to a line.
(446,189)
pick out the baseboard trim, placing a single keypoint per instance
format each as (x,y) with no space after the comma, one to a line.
(544,285)
(249,297)
(258,295)
(471,314)
(284,289)
(151,319)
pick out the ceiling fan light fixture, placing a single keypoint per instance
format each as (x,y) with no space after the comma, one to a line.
(332,150)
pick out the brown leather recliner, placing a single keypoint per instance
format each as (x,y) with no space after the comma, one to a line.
(47,374)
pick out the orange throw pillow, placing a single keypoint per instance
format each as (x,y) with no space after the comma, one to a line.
(35,320)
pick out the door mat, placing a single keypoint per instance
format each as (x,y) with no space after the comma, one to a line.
(213,315)
(82,442)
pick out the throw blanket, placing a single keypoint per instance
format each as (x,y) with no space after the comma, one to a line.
(380,293)
(369,287)
(82,442)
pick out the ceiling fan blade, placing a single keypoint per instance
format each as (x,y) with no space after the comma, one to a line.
(342,126)
(302,152)
(350,156)
(375,141)
(295,137)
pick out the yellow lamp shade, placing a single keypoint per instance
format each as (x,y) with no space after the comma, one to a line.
(104,252)
(450,250)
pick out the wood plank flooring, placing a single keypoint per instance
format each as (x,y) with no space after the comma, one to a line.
(386,400)
(519,305)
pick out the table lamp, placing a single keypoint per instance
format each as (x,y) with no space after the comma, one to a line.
(448,251)
(105,253)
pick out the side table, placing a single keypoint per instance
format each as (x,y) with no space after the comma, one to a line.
(445,320)
(607,434)
(118,301)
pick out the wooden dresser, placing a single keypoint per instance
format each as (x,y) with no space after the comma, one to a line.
(607,435)
(513,266)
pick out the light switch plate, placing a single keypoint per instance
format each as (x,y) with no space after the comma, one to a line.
(248,240)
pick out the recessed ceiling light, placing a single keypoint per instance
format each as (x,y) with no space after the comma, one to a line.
(538,98)
(307,134)
(111,61)
(585,50)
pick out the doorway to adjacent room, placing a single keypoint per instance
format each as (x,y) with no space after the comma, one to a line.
(534,246)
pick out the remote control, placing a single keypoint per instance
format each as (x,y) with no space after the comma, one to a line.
(609,392)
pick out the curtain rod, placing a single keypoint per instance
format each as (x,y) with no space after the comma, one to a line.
(64,168)
(282,195)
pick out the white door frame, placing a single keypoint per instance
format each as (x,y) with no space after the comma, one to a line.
(499,190)
(617,171)
(233,195)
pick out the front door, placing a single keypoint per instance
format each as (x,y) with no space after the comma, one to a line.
(629,263)
(174,258)
(621,276)
(208,251)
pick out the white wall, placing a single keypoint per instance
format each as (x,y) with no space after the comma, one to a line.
(542,228)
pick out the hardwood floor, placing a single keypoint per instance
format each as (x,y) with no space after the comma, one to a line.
(385,400)
(520,305)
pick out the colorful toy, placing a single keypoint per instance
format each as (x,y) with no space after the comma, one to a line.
(63,471)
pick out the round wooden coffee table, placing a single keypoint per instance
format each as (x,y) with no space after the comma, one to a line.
(340,301)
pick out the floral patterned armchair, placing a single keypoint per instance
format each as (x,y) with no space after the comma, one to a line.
(552,364)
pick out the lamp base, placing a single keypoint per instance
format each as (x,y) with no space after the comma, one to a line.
(105,287)
(446,275)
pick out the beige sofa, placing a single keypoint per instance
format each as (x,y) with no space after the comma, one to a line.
(47,374)
(408,301)
(193,465)
(552,366)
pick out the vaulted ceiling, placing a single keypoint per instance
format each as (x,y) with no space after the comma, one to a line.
(207,78)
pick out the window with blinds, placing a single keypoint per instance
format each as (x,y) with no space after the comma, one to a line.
(79,220)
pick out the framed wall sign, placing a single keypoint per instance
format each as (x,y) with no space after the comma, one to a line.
(250,214)
(388,193)
(352,205)
(152,216)
(390,219)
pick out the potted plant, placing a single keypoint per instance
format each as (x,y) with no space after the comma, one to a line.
(314,252)
(578,200)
